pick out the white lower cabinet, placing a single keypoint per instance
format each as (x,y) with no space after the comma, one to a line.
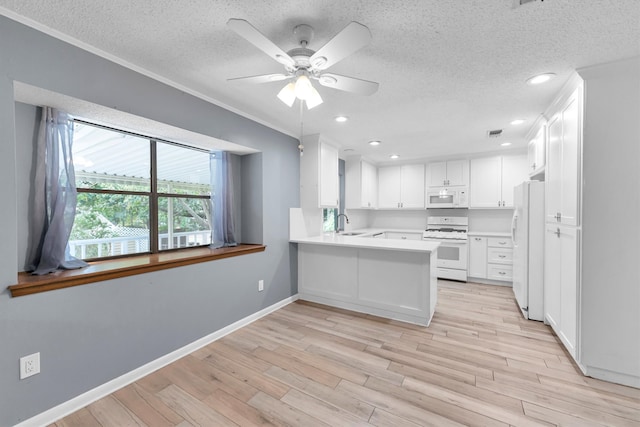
(490,257)
(561,283)
(477,257)
(403,236)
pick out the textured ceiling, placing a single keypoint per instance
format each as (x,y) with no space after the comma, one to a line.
(448,70)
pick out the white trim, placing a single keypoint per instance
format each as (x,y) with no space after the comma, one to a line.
(110,57)
(58,412)
(629,380)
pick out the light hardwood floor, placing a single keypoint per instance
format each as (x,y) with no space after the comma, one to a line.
(478,363)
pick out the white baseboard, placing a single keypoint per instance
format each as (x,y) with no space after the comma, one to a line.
(613,377)
(58,412)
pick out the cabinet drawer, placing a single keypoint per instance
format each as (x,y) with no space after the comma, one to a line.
(500,256)
(500,272)
(499,242)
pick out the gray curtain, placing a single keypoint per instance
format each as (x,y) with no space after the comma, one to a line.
(223,202)
(55,196)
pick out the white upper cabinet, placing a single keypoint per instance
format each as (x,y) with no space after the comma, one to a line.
(563,162)
(401,187)
(453,173)
(412,186)
(389,187)
(492,180)
(361,184)
(536,150)
(514,172)
(319,179)
(485,190)
(329,180)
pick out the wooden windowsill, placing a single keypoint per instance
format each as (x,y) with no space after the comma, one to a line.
(122,267)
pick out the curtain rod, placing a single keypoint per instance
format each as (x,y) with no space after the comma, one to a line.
(204,150)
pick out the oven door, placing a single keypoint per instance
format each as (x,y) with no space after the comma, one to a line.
(452,254)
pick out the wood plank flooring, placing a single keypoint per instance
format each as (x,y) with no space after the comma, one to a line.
(479,363)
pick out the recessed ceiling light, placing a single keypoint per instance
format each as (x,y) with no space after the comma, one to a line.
(394,156)
(374,143)
(346,150)
(341,119)
(505,144)
(540,78)
(517,122)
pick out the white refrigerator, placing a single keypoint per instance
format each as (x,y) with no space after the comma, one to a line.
(527,233)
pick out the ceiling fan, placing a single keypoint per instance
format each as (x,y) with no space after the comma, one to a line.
(303,64)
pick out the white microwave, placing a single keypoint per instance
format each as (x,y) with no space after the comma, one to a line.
(448,198)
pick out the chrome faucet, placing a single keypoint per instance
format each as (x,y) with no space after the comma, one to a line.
(346,218)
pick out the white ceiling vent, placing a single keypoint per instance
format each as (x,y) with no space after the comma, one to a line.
(494,133)
(518,3)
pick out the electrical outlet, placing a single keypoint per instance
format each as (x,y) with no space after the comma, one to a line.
(29,365)
(260,285)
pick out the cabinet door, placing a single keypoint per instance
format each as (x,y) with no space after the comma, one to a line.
(403,236)
(412,186)
(478,257)
(485,186)
(569,183)
(531,155)
(569,287)
(329,178)
(458,173)
(389,187)
(552,272)
(369,185)
(552,174)
(536,151)
(540,143)
(437,174)
(514,171)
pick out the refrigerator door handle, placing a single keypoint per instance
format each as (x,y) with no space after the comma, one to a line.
(514,223)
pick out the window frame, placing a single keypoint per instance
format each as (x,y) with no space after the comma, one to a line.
(153,195)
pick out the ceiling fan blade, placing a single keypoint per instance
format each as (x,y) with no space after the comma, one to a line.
(259,40)
(348,84)
(263,78)
(353,37)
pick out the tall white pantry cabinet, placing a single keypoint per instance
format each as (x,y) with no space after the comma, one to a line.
(562,205)
(592,268)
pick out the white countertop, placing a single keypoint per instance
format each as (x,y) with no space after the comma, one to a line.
(488,234)
(362,241)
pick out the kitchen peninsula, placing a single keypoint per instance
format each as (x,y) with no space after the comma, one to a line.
(390,278)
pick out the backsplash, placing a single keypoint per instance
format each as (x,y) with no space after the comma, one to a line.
(398,219)
(498,220)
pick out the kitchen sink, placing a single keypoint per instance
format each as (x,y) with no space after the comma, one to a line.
(350,233)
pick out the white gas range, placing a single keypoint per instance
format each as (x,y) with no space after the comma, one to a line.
(451,233)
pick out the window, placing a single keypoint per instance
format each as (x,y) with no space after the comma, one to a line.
(329,219)
(137,194)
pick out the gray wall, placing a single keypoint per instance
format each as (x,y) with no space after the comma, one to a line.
(88,335)
(611,218)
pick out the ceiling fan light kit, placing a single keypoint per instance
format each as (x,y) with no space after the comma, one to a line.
(288,94)
(303,64)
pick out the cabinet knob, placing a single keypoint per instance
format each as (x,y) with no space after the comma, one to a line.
(501,256)
(502,273)
(557,232)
